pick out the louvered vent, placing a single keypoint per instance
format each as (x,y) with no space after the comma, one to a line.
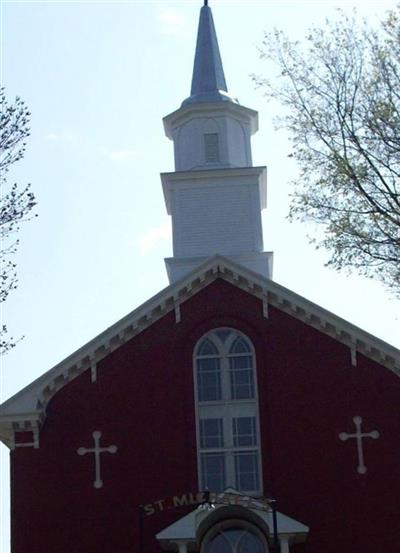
(211,148)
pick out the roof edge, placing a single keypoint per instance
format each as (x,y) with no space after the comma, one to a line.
(34,398)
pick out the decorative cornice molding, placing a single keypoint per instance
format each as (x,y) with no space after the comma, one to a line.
(209,109)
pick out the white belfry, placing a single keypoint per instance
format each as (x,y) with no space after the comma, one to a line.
(97,450)
(359,435)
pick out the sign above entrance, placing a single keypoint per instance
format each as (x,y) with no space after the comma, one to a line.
(210,498)
(233,498)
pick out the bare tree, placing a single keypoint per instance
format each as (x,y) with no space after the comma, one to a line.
(341,93)
(15,203)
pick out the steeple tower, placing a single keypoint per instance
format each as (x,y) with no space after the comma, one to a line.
(215,196)
(208,81)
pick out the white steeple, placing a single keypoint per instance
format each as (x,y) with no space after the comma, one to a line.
(215,195)
(208,81)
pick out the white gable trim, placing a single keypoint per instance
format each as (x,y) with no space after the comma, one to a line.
(185,529)
(28,407)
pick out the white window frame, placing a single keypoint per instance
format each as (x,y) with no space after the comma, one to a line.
(227,409)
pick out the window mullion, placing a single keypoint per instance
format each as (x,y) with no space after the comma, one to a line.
(226,389)
(230,469)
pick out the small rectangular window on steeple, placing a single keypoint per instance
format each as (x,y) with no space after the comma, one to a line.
(211,148)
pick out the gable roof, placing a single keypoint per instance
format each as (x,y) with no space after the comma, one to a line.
(27,409)
(230,504)
(186,528)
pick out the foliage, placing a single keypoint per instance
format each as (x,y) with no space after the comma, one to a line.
(340,90)
(15,203)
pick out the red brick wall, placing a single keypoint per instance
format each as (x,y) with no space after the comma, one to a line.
(143,403)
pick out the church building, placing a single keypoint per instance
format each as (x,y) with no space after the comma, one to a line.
(227,414)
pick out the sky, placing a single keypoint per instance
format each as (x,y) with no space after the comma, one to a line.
(98,78)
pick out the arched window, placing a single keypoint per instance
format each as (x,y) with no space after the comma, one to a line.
(234,536)
(227,412)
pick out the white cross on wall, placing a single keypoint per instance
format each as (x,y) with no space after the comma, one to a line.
(359,435)
(97,450)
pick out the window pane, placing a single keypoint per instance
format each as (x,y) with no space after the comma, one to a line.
(211,433)
(241,362)
(209,379)
(213,471)
(219,544)
(244,431)
(242,381)
(246,471)
(235,540)
(250,543)
(240,346)
(207,348)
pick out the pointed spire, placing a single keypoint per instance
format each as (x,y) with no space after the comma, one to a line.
(208,81)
